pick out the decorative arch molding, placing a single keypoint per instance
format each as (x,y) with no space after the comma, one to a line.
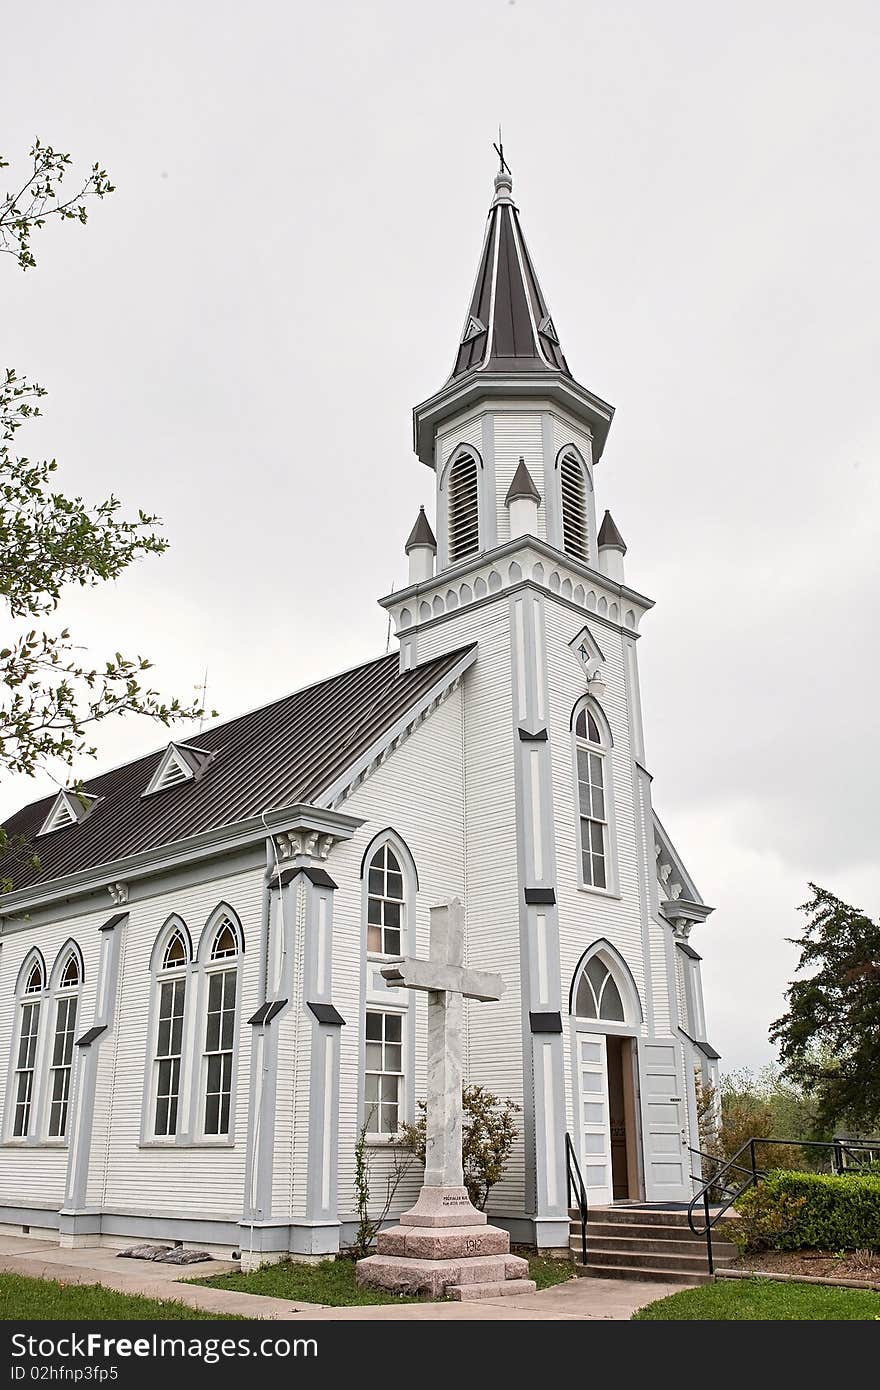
(460,451)
(70,948)
(166,931)
(571,450)
(622,976)
(401,849)
(587,702)
(222,915)
(34,957)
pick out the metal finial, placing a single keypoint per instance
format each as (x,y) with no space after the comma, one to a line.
(499,150)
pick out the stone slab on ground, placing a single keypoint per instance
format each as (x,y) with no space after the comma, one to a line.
(443,1243)
(467,1293)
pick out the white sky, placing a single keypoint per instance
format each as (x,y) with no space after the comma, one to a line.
(237,338)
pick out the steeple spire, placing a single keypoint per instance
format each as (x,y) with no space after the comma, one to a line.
(508,327)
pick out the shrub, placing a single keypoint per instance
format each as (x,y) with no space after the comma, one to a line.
(810,1211)
(488,1136)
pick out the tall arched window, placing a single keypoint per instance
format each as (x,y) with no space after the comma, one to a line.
(573,487)
(32,989)
(591,745)
(463,510)
(67,978)
(175,955)
(221,975)
(386,903)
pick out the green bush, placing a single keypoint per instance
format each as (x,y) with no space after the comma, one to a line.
(810,1211)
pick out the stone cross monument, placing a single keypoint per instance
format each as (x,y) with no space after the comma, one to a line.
(436,1246)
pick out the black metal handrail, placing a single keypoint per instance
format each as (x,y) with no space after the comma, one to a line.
(841,1149)
(576,1186)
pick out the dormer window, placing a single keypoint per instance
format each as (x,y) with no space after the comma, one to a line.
(463,508)
(181,762)
(68,808)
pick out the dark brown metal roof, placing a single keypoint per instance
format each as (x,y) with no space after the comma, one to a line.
(522,485)
(286,752)
(609,536)
(421,534)
(508,328)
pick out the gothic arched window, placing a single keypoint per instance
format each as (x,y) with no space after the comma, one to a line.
(31,990)
(171,981)
(221,973)
(68,973)
(463,509)
(386,903)
(592,742)
(597,993)
(573,487)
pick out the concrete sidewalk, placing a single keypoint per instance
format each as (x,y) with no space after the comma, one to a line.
(577,1299)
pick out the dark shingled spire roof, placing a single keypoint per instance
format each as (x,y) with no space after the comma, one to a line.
(508,328)
(421,534)
(609,536)
(523,485)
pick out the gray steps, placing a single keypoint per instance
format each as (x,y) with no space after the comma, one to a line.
(652,1276)
(668,1249)
(645,1243)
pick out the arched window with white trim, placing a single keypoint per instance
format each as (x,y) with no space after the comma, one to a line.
(31,993)
(463,508)
(390,884)
(67,978)
(173,957)
(225,945)
(573,484)
(603,989)
(592,744)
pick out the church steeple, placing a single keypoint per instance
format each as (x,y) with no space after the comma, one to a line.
(509,349)
(508,327)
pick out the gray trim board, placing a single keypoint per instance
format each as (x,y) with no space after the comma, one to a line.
(266,1012)
(526,736)
(89,1037)
(688,950)
(114,922)
(538,896)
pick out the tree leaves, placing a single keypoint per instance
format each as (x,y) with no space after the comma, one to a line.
(39,200)
(830,1038)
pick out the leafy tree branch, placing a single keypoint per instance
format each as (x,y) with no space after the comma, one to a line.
(40,199)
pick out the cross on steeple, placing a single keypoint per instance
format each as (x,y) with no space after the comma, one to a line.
(499,150)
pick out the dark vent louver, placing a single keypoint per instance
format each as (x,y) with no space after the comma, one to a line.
(574,509)
(464,518)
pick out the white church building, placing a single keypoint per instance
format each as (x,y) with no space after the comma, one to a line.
(193,1022)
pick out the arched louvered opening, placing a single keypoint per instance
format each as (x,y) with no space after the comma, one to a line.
(463,508)
(574,508)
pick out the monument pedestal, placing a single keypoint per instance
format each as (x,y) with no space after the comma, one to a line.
(443,1245)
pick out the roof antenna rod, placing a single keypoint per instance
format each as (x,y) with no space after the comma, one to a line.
(388,629)
(499,150)
(203,690)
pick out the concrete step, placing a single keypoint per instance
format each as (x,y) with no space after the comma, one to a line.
(651,1276)
(469,1293)
(669,1249)
(642,1235)
(639,1216)
(687,1264)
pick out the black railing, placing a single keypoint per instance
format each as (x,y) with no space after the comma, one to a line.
(722,1187)
(577,1189)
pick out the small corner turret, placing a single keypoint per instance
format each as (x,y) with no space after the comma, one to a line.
(421,547)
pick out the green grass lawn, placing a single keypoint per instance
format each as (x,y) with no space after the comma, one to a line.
(24,1299)
(333,1282)
(763,1300)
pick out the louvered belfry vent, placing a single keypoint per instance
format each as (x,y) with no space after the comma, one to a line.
(464,512)
(574,508)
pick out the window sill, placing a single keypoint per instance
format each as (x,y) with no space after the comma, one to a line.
(172,1144)
(379,1141)
(25,1143)
(599,892)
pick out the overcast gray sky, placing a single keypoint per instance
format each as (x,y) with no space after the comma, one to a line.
(238,336)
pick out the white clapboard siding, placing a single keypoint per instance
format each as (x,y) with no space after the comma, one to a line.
(35,1175)
(174,1179)
(517,435)
(417,793)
